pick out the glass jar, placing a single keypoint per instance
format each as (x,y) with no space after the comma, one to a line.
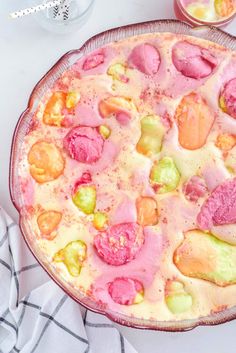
(67,17)
(182,14)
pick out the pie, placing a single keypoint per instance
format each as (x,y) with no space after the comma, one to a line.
(128,177)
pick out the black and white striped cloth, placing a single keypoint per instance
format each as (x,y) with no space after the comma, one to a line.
(36,316)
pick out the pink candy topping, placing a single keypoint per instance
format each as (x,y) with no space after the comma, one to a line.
(120,243)
(84,144)
(123,290)
(146,58)
(93,61)
(192,60)
(220,207)
(229,95)
(194,188)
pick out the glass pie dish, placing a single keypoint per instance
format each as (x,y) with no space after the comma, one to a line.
(24,124)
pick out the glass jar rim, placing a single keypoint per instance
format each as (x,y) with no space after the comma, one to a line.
(196,21)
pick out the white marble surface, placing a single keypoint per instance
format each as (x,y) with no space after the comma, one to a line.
(26,53)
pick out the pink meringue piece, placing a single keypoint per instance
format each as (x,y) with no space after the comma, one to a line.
(192,60)
(194,188)
(84,144)
(220,207)
(146,58)
(120,243)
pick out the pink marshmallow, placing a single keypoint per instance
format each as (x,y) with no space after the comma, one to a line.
(194,188)
(146,58)
(93,61)
(123,290)
(84,144)
(120,243)
(192,60)
(229,95)
(220,207)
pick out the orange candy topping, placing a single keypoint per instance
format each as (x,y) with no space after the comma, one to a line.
(57,105)
(48,221)
(194,119)
(147,213)
(224,8)
(225,142)
(113,105)
(53,114)
(46,162)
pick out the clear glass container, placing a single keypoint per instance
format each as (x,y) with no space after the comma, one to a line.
(182,14)
(65,18)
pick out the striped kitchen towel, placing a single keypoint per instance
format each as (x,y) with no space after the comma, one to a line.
(36,316)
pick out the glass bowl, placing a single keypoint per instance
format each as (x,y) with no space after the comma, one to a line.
(182,14)
(63,19)
(173,26)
